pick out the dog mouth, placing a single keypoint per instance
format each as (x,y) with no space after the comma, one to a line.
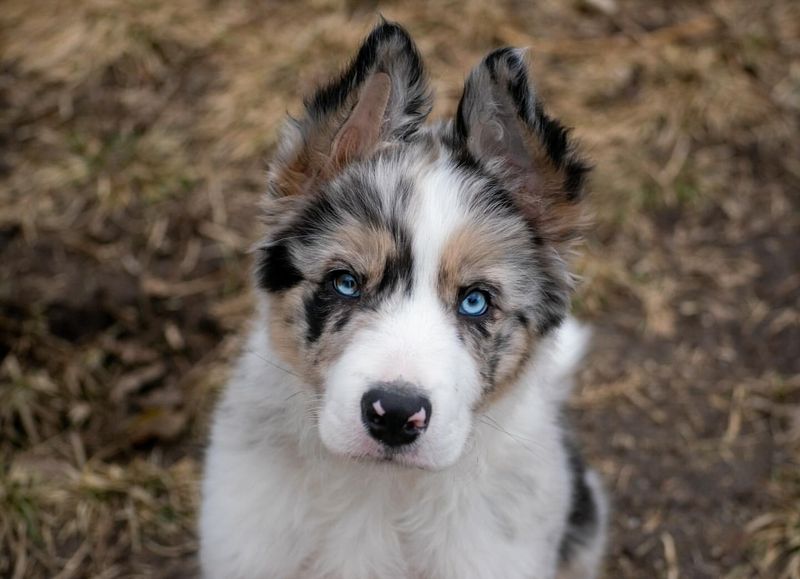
(406,458)
(398,459)
(384,455)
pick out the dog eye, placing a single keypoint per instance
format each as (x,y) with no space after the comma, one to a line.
(346,284)
(474,304)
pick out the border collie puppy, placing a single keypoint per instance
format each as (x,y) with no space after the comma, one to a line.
(397,412)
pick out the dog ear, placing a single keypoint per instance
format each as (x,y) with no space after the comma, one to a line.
(501,125)
(381,97)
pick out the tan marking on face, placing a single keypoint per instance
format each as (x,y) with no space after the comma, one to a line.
(511,364)
(471,254)
(288,337)
(286,331)
(366,251)
(477,253)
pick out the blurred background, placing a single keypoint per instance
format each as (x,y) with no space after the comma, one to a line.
(134,136)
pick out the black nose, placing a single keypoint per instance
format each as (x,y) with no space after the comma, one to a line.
(395,416)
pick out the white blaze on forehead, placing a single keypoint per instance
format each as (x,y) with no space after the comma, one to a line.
(438,214)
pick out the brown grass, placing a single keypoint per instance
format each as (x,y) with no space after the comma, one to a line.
(133,137)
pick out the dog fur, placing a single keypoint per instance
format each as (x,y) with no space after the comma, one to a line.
(419,216)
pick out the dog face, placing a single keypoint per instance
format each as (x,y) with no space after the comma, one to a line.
(410,270)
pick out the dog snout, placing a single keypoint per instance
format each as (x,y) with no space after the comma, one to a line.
(395,416)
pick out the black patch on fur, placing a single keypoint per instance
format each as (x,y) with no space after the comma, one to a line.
(499,344)
(458,140)
(399,267)
(517,85)
(494,199)
(553,306)
(553,134)
(555,137)
(575,180)
(357,199)
(320,215)
(275,271)
(583,516)
(319,307)
(478,325)
(342,320)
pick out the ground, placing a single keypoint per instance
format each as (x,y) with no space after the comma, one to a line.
(133,141)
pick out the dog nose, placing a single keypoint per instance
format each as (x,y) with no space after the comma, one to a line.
(395,417)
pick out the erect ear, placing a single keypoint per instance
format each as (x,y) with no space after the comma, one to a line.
(381,97)
(501,124)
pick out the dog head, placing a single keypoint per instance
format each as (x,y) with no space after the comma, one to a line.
(411,270)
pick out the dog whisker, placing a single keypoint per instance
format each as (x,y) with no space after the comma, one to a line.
(531,446)
(274,364)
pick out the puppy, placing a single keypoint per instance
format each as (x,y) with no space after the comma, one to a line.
(397,412)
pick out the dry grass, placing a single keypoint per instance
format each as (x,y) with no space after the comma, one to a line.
(134,134)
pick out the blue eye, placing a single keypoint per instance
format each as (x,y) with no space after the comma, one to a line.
(346,284)
(474,304)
